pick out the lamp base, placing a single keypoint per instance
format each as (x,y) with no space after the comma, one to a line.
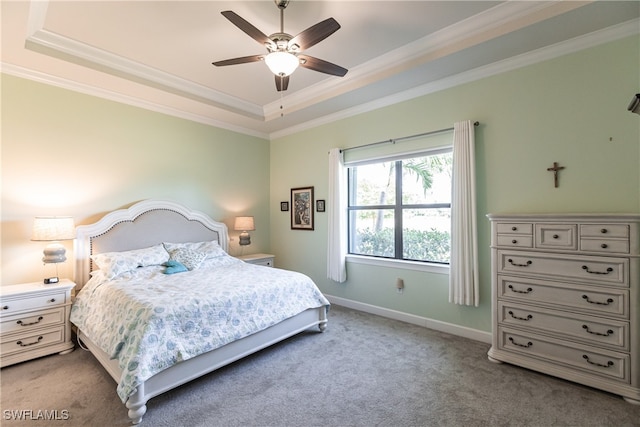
(54,253)
(245,239)
(51,280)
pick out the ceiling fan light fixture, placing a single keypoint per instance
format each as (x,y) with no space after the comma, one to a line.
(282,63)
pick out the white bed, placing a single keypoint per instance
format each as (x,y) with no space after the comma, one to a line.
(154,222)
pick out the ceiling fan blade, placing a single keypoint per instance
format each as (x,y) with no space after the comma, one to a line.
(248,28)
(241,60)
(315,34)
(282,83)
(321,65)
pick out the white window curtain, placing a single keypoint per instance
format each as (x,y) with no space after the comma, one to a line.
(463,275)
(337,210)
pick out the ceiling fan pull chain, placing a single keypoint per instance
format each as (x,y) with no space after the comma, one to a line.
(281,98)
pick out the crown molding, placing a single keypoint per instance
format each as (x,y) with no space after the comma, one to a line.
(576,44)
(40,77)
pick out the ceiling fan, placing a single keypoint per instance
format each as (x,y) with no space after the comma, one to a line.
(284,50)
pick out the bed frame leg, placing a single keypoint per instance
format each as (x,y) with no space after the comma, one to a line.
(323,319)
(137,407)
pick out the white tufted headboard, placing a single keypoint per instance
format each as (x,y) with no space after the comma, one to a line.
(144,224)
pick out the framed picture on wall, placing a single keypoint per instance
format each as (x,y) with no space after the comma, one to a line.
(302,208)
(284,206)
(320,205)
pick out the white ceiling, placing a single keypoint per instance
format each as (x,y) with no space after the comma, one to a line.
(158,54)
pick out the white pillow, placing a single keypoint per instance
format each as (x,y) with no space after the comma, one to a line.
(211,249)
(116,263)
(188,257)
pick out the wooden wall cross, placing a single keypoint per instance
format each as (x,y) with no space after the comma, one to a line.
(555,169)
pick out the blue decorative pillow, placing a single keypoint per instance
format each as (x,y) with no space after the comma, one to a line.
(173,267)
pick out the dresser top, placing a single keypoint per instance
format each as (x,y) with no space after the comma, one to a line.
(556,217)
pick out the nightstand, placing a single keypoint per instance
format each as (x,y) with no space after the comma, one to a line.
(34,321)
(259,259)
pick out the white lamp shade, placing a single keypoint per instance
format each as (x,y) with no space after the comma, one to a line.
(244,223)
(53,228)
(282,63)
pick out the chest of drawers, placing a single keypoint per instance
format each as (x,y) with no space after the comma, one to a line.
(566,299)
(34,321)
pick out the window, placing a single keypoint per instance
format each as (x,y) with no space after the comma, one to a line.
(400,207)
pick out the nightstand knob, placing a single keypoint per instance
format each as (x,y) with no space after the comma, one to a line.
(52,300)
(603,230)
(514,241)
(604,246)
(6,307)
(555,236)
(514,228)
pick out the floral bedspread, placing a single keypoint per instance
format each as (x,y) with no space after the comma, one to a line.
(150,321)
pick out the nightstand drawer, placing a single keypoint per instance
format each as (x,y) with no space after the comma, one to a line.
(9,306)
(16,343)
(28,321)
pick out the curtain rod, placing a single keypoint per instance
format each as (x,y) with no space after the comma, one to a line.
(404,138)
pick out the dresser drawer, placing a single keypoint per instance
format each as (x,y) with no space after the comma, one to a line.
(604,245)
(605,363)
(588,269)
(9,306)
(515,241)
(604,230)
(28,341)
(556,236)
(587,329)
(28,321)
(514,228)
(584,299)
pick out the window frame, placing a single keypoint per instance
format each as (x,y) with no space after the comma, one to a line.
(397,207)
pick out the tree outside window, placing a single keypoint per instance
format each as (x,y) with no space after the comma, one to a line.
(401,209)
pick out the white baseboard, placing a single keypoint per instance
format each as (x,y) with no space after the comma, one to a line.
(437,325)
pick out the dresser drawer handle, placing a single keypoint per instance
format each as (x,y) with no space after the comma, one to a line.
(527,345)
(52,300)
(21,344)
(586,328)
(19,322)
(609,270)
(603,230)
(5,307)
(609,301)
(526,319)
(555,236)
(519,265)
(608,365)
(514,228)
(529,290)
(604,246)
(514,241)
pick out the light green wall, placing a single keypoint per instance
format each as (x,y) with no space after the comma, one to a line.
(570,110)
(65,153)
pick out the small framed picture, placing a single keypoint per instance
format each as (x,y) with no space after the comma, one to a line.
(284,206)
(302,208)
(319,205)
